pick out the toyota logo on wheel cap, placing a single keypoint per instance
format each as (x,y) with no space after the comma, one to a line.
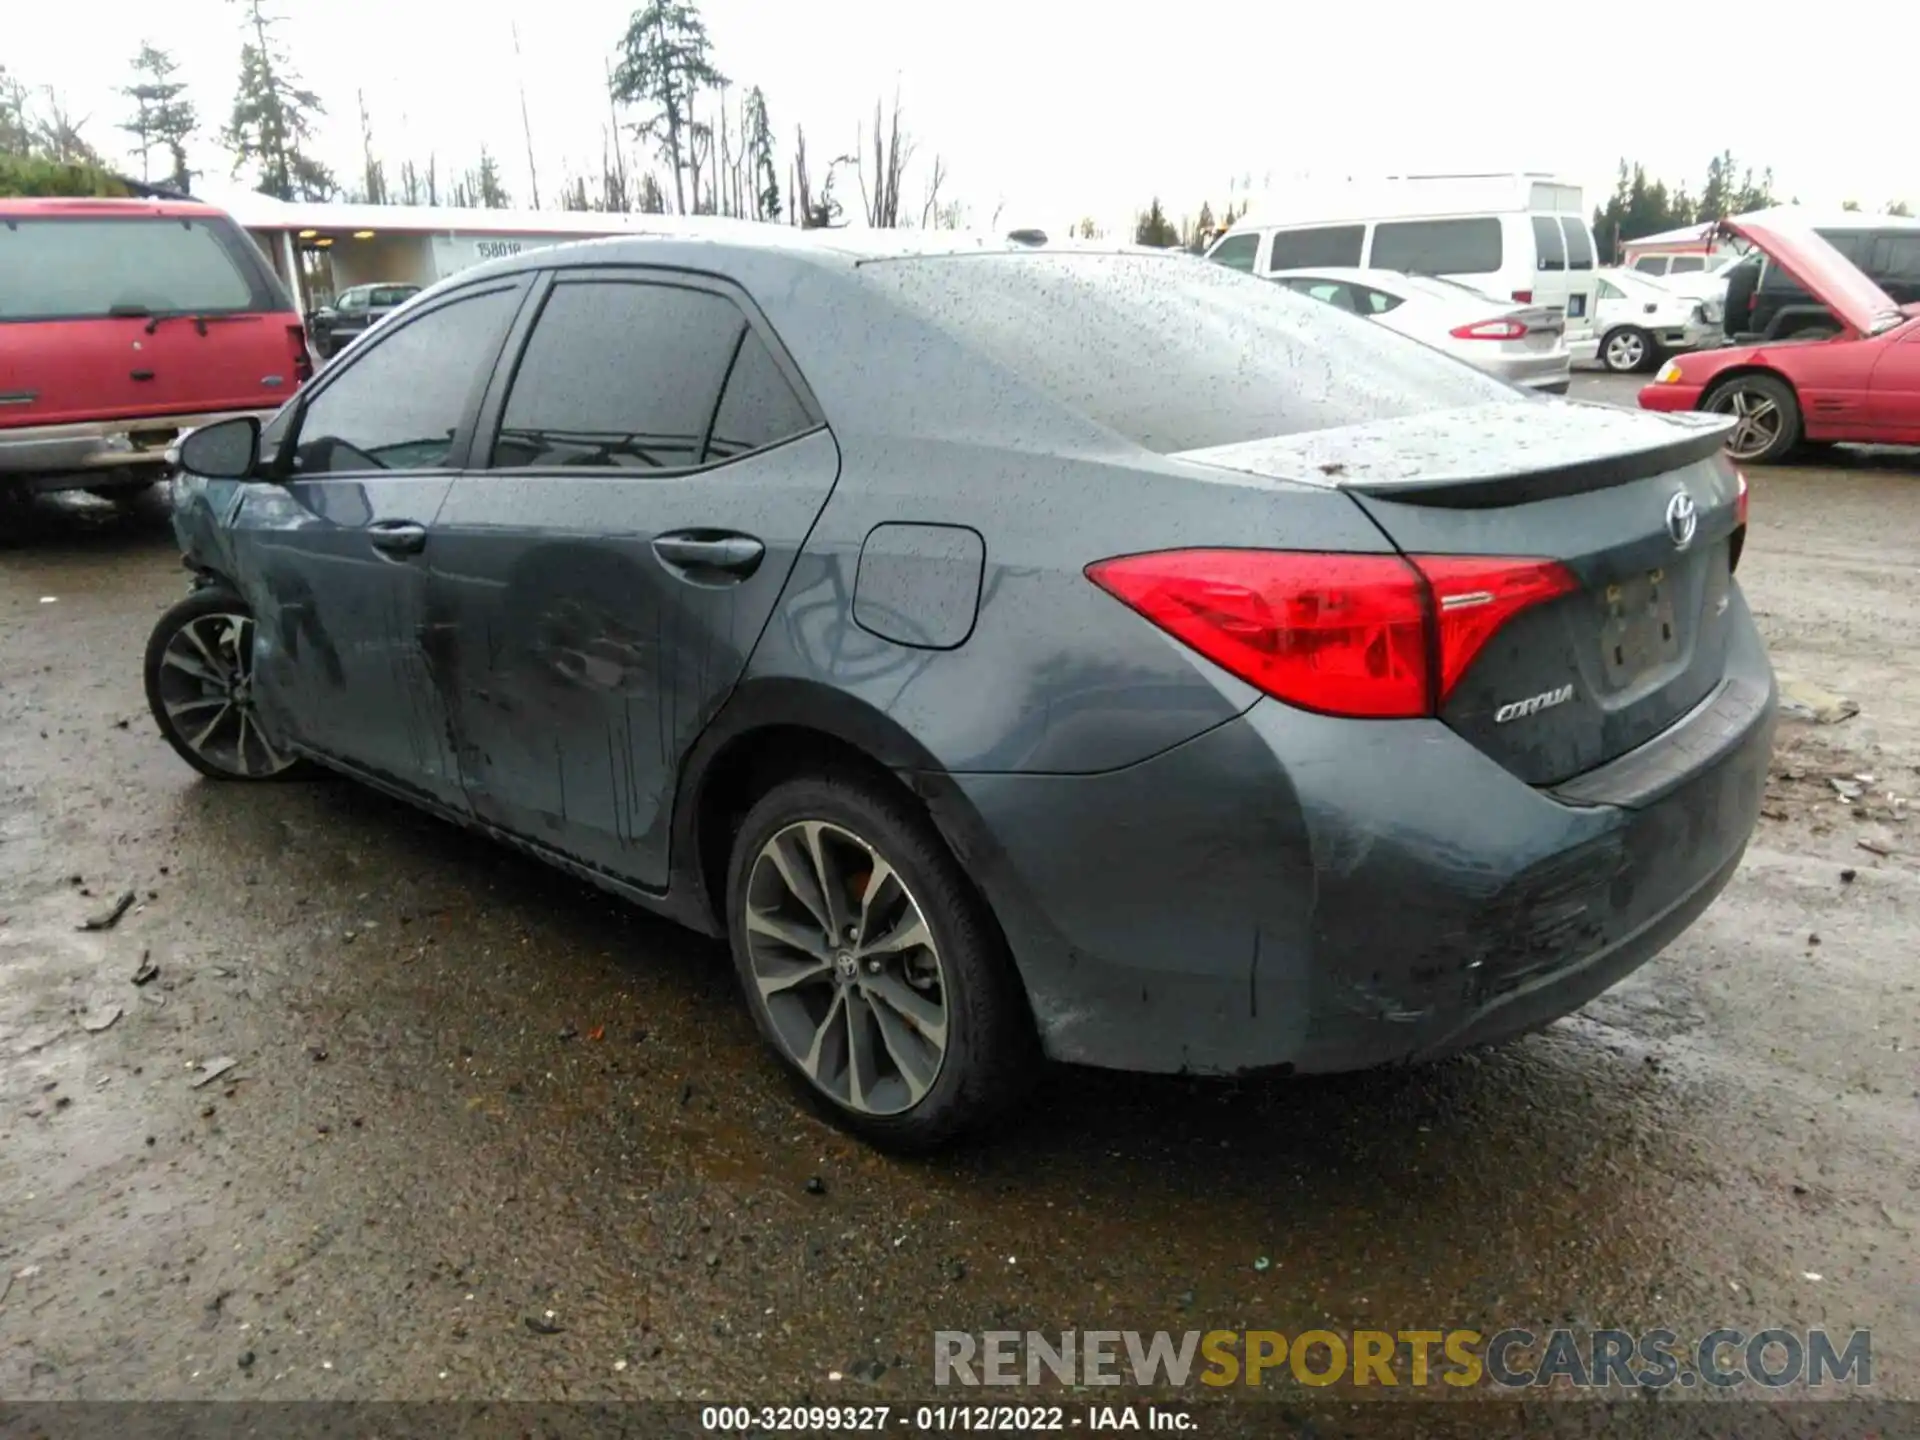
(1682,520)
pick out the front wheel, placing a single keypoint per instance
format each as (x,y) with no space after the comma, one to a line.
(871,965)
(1767,416)
(1627,350)
(199,674)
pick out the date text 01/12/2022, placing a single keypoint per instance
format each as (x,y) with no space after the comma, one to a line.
(944,1419)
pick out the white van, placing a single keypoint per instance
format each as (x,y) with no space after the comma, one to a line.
(1522,238)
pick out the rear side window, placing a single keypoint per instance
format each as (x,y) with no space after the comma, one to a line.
(1687,265)
(1609,291)
(1651,264)
(394,294)
(88,269)
(1549,244)
(1236,252)
(628,375)
(1579,243)
(758,407)
(1439,247)
(1173,356)
(1856,245)
(1328,245)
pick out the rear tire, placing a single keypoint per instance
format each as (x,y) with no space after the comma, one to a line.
(199,678)
(1627,350)
(1768,415)
(907,1038)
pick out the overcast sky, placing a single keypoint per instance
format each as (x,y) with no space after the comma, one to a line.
(1053,109)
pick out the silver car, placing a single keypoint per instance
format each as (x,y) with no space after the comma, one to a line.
(1524,345)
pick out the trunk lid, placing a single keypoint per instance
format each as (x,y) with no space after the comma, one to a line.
(1640,509)
(1820,268)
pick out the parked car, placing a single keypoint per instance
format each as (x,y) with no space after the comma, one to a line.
(1862,385)
(1523,345)
(124,323)
(1521,237)
(1641,322)
(355,311)
(1012,649)
(1778,307)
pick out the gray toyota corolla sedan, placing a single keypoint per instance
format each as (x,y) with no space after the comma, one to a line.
(1011,649)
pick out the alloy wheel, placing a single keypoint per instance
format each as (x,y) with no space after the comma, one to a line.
(845,965)
(206,691)
(1758,418)
(1625,351)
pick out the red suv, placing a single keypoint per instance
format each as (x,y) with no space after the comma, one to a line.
(123,324)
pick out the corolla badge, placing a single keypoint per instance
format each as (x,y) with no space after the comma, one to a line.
(1683,519)
(1532,705)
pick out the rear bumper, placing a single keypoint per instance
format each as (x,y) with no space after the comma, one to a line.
(1296,891)
(97,452)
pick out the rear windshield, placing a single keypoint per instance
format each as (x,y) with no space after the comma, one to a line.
(1439,247)
(86,269)
(1174,355)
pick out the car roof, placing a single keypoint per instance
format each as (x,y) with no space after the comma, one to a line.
(118,207)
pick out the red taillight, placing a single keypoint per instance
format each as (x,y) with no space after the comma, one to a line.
(1740,499)
(1525,297)
(1490,330)
(1474,596)
(1355,635)
(302,357)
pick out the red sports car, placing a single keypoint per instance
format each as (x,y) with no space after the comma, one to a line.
(1862,385)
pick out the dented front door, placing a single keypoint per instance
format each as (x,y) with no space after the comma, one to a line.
(333,554)
(598,586)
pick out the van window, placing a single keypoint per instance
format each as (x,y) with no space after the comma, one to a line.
(1236,252)
(1687,265)
(1439,247)
(1896,257)
(1328,245)
(1549,245)
(86,269)
(1579,243)
(1651,264)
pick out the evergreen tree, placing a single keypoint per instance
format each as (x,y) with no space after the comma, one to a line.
(162,114)
(489,193)
(1155,229)
(664,62)
(273,118)
(762,174)
(373,170)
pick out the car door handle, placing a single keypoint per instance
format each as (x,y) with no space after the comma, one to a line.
(397,537)
(690,554)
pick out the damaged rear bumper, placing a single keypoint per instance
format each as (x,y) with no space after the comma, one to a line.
(1296,891)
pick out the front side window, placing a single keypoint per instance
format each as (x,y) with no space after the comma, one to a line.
(397,403)
(1439,247)
(353,300)
(1651,264)
(620,374)
(1326,245)
(1236,252)
(1687,265)
(1549,243)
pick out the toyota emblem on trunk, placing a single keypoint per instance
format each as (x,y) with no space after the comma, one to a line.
(1682,520)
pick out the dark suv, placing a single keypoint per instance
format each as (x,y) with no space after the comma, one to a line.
(357,311)
(1766,303)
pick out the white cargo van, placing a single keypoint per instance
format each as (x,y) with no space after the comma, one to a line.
(1522,238)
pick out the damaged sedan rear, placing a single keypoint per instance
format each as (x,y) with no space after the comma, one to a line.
(1012,650)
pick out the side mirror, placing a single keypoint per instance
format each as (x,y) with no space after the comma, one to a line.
(229,450)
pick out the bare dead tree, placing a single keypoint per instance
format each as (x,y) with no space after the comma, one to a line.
(526,125)
(930,211)
(892,147)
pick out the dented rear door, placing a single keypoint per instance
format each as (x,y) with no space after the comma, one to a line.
(601,575)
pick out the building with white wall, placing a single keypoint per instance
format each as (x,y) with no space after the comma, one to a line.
(321,248)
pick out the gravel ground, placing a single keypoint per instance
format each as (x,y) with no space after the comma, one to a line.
(491,1134)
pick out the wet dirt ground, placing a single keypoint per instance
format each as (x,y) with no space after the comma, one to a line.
(490,1133)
